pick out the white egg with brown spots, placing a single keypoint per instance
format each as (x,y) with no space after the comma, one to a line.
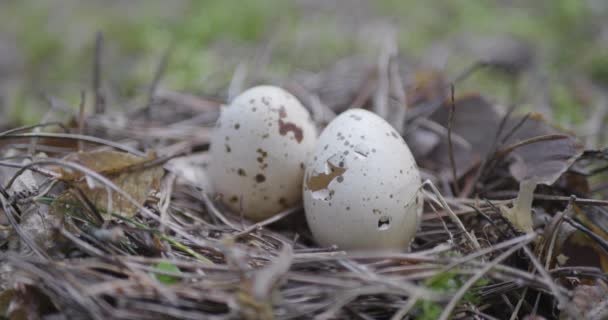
(361,185)
(258,151)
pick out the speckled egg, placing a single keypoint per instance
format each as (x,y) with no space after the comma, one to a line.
(361,185)
(258,151)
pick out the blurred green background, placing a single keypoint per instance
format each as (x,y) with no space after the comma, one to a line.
(46,47)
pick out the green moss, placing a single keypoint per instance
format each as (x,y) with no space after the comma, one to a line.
(446,282)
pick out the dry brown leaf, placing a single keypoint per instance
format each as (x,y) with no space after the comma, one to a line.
(544,161)
(126,171)
(476,120)
(579,247)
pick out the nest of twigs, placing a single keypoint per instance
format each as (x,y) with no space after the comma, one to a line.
(67,253)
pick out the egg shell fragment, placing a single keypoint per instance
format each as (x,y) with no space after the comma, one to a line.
(258,151)
(361,185)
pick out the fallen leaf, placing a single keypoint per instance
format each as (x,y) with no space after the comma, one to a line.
(595,219)
(475,120)
(546,160)
(126,171)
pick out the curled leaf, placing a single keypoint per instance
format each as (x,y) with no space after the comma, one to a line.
(126,171)
(537,151)
(544,160)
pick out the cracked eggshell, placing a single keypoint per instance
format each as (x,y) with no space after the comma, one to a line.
(361,185)
(258,151)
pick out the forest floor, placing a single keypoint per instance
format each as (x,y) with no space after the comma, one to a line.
(106,114)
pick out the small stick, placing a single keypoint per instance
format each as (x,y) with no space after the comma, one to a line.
(552,229)
(268,221)
(99,103)
(561,299)
(8,212)
(75,137)
(548,137)
(34,140)
(465,287)
(81,120)
(519,304)
(490,155)
(445,226)
(548,197)
(39,125)
(450,146)
(160,71)
(405,309)
(454,217)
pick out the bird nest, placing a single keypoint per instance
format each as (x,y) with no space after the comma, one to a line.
(107,215)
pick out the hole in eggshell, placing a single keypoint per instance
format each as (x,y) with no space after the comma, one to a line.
(323,194)
(384,223)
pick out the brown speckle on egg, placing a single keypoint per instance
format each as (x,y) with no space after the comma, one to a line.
(285,127)
(373,185)
(282,112)
(283,202)
(250,121)
(259,178)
